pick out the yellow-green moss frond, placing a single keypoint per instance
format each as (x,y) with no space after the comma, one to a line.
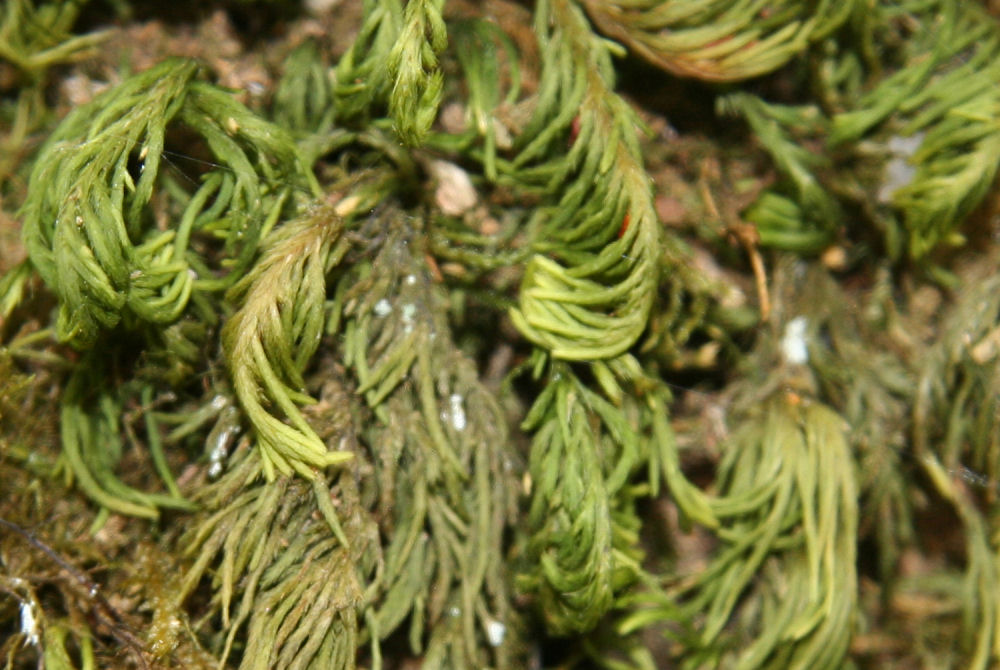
(857,366)
(36,37)
(979,647)
(949,111)
(76,218)
(92,447)
(587,292)
(303,100)
(294,566)
(785,570)
(476,49)
(936,112)
(362,78)
(444,468)
(417,80)
(718,40)
(273,336)
(87,223)
(804,218)
(593,456)
(575,473)
(954,412)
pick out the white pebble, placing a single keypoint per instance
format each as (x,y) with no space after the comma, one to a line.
(457,412)
(899,172)
(495,632)
(455,193)
(29,627)
(409,311)
(794,347)
(220,450)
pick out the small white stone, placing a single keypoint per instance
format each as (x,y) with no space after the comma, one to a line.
(502,134)
(457,412)
(899,172)
(29,627)
(409,311)
(219,452)
(383,307)
(794,347)
(495,632)
(347,205)
(455,193)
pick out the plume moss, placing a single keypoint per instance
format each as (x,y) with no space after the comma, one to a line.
(405,347)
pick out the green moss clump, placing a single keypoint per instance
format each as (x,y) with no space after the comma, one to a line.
(423,333)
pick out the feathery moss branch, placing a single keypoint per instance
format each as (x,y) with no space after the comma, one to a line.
(950,418)
(860,373)
(444,470)
(83,205)
(476,49)
(303,100)
(980,613)
(86,223)
(808,221)
(296,571)
(943,98)
(35,38)
(362,78)
(269,341)
(583,555)
(718,40)
(791,501)
(592,300)
(92,448)
(572,555)
(417,80)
